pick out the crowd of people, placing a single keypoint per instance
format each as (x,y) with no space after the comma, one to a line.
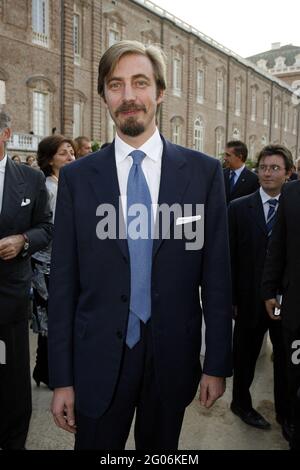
(118,317)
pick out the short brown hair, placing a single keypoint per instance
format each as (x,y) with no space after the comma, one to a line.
(47,148)
(114,53)
(274,149)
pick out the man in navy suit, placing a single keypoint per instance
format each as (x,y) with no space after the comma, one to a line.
(250,224)
(239,181)
(282,274)
(107,359)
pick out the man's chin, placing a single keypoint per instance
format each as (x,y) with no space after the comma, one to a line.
(132,128)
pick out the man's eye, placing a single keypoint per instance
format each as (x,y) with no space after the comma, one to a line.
(141,83)
(114,85)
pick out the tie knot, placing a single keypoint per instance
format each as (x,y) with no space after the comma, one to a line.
(137,156)
(273,202)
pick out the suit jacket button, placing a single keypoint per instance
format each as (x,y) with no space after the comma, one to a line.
(119,334)
(124,298)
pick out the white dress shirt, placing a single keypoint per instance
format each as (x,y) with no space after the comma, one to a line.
(237,173)
(151,166)
(2,175)
(265,201)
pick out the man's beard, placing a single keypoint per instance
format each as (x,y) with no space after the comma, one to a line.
(132,127)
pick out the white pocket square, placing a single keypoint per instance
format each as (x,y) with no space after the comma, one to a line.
(186,220)
(25,202)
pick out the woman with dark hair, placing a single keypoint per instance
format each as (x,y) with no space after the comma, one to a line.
(53,153)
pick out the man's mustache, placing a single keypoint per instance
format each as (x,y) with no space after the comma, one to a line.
(125,108)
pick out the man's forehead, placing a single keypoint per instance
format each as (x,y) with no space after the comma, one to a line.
(274,156)
(139,65)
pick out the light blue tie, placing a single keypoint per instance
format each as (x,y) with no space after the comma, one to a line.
(140,249)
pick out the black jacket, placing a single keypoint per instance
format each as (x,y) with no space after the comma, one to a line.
(282,267)
(25,208)
(247,183)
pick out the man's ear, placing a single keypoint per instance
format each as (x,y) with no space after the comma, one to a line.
(6,134)
(160,96)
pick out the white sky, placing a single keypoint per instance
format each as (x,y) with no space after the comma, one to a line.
(247,28)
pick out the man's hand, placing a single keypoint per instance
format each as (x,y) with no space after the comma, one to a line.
(234,312)
(211,388)
(271,304)
(11,246)
(62,408)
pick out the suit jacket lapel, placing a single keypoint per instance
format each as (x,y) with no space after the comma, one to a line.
(257,211)
(226,180)
(105,184)
(240,182)
(13,193)
(173,183)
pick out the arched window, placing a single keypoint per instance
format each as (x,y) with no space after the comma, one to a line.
(220,141)
(41,102)
(252,147)
(199,134)
(78,113)
(238,96)
(176,130)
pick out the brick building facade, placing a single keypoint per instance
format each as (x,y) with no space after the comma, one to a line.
(50,52)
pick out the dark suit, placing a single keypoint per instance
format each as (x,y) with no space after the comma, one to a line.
(21,184)
(248,246)
(282,272)
(90,287)
(247,183)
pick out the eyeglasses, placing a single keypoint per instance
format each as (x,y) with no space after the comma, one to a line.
(271,168)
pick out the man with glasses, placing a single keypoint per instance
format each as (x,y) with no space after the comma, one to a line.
(239,181)
(251,220)
(282,272)
(25,227)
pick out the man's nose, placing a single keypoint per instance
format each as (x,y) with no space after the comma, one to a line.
(129,93)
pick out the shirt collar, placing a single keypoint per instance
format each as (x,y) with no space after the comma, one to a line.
(152,148)
(265,197)
(238,171)
(3,162)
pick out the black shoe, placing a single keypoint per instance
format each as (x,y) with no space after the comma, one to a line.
(287,430)
(252,417)
(39,378)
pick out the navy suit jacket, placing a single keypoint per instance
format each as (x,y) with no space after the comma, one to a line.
(90,283)
(248,237)
(282,266)
(247,183)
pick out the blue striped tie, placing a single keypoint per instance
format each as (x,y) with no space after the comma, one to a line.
(271,215)
(140,249)
(231,180)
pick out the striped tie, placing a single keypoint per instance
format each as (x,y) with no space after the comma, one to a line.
(231,180)
(271,215)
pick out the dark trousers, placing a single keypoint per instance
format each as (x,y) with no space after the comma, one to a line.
(15,386)
(40,372)
(291,339)
(247,344)
(157,425)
